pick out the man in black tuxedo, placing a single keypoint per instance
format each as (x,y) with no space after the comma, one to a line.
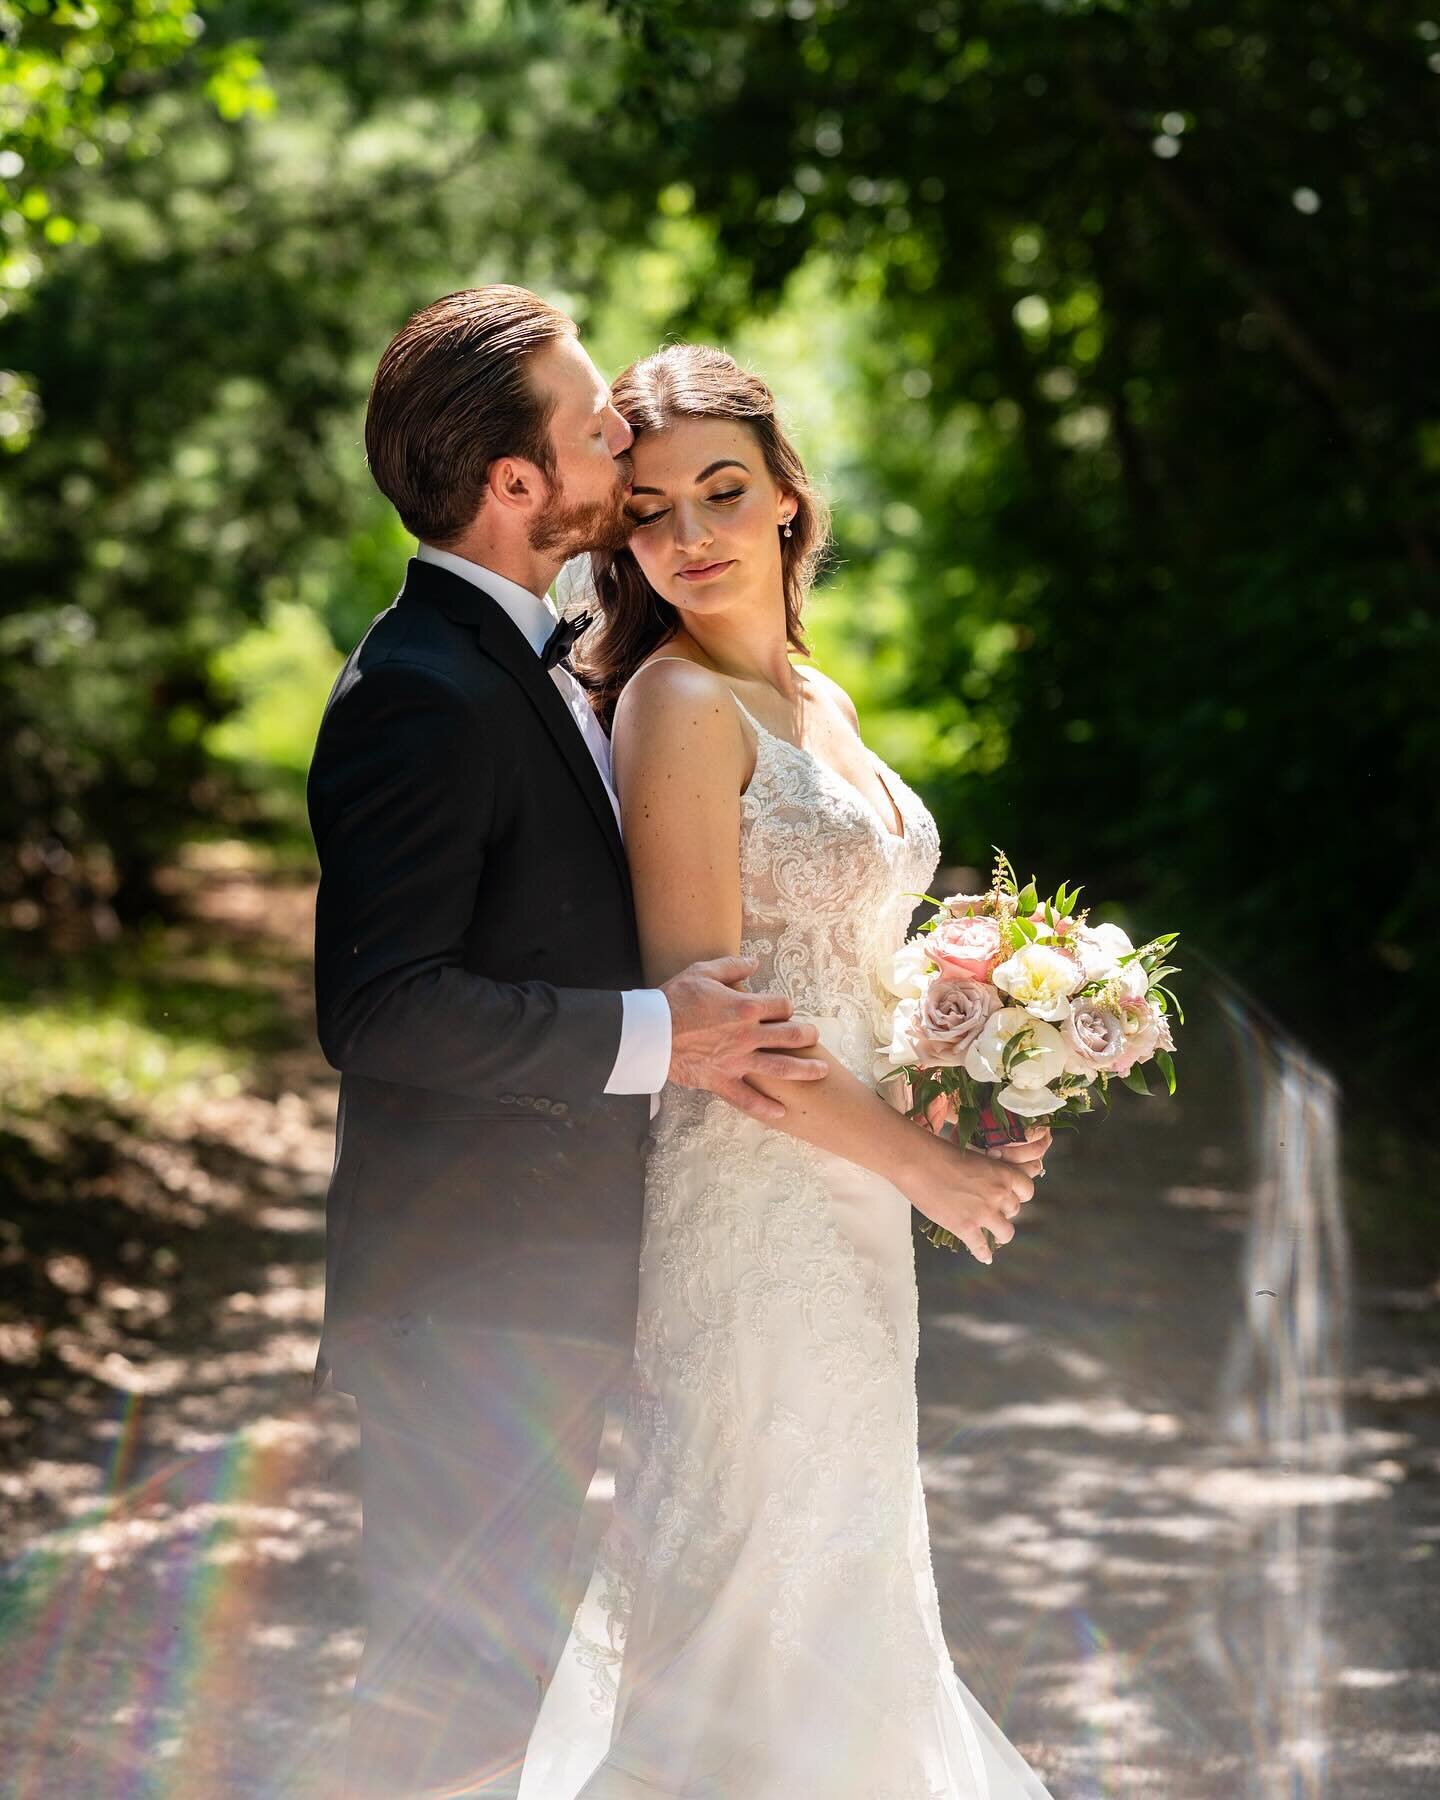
(479,987)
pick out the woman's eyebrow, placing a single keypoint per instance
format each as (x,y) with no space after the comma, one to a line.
(725,462)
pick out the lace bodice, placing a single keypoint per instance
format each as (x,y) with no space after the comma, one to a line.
(828,889)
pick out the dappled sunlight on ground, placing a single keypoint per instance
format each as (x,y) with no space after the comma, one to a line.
(1154,1600)
(1160,1579)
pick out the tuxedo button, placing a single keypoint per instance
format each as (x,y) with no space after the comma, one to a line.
(558,1108)
(507,1099)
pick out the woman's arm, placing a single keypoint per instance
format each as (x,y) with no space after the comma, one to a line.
(681,760)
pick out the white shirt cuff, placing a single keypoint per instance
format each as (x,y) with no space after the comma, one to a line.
(642,1062)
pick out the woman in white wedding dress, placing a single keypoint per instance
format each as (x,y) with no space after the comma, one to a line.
(762,1622)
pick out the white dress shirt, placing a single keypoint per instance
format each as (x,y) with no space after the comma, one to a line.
(643,1059)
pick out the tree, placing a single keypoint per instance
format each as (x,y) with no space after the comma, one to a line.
(246,237)
(1151,289)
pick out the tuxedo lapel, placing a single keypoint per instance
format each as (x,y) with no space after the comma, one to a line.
(501,640)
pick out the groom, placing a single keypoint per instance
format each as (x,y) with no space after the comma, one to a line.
(479,987)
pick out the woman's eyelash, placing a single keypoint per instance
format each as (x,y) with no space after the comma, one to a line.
(639,521)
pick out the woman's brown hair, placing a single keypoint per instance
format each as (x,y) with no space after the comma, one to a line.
(692,381)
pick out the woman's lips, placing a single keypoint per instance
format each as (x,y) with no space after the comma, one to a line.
(706,571)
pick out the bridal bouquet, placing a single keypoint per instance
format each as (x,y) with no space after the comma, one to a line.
(1015,1011)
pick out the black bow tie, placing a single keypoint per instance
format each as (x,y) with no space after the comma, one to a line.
(561,640)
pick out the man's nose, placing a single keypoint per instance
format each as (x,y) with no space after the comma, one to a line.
(621,436)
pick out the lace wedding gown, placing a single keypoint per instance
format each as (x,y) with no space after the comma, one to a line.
(762,1622)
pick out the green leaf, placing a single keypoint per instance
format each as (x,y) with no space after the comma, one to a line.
(1179,1009)
(1165,1063)
(1136,1080)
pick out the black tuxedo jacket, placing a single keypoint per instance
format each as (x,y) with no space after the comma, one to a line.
(474,930)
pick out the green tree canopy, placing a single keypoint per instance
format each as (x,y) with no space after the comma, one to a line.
(1136,476)
(1152,291)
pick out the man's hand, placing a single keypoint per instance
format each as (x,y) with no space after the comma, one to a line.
(720,1037)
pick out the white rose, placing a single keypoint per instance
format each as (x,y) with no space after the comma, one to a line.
(907,978)
(1039,979)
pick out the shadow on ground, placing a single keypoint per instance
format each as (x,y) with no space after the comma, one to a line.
(1155,1590)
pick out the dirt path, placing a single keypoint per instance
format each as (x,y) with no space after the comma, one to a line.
(1150,1607)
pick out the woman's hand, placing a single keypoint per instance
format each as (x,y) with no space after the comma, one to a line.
(967,1192)
(1029,1156)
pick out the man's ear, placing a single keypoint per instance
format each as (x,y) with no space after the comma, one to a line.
(515,484)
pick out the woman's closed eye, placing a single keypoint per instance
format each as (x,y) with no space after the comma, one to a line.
(726,498)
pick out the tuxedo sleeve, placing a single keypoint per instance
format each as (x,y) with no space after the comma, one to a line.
(402,792)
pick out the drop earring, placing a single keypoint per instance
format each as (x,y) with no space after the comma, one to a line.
(788,531)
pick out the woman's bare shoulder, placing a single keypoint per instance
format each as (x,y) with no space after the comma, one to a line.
(673,702)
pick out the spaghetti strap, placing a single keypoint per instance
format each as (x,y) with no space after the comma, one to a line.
(733,695)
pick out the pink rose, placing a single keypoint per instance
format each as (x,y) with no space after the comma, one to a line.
(950,1016)
(971,947)
(940,1113)
(1093,1034)
(1146,1031)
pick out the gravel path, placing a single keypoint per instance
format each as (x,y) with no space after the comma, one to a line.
(1174,1562)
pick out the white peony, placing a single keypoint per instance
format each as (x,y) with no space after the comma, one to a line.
(901,1048)
(1029,1103)
(1099,948)
(985,1059)
(907,978)
(1039,979)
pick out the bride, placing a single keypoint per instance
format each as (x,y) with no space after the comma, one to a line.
(762,1622)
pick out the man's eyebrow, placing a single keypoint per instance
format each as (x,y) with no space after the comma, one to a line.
(725,462)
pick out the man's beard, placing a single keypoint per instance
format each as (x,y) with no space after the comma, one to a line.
(565,530)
